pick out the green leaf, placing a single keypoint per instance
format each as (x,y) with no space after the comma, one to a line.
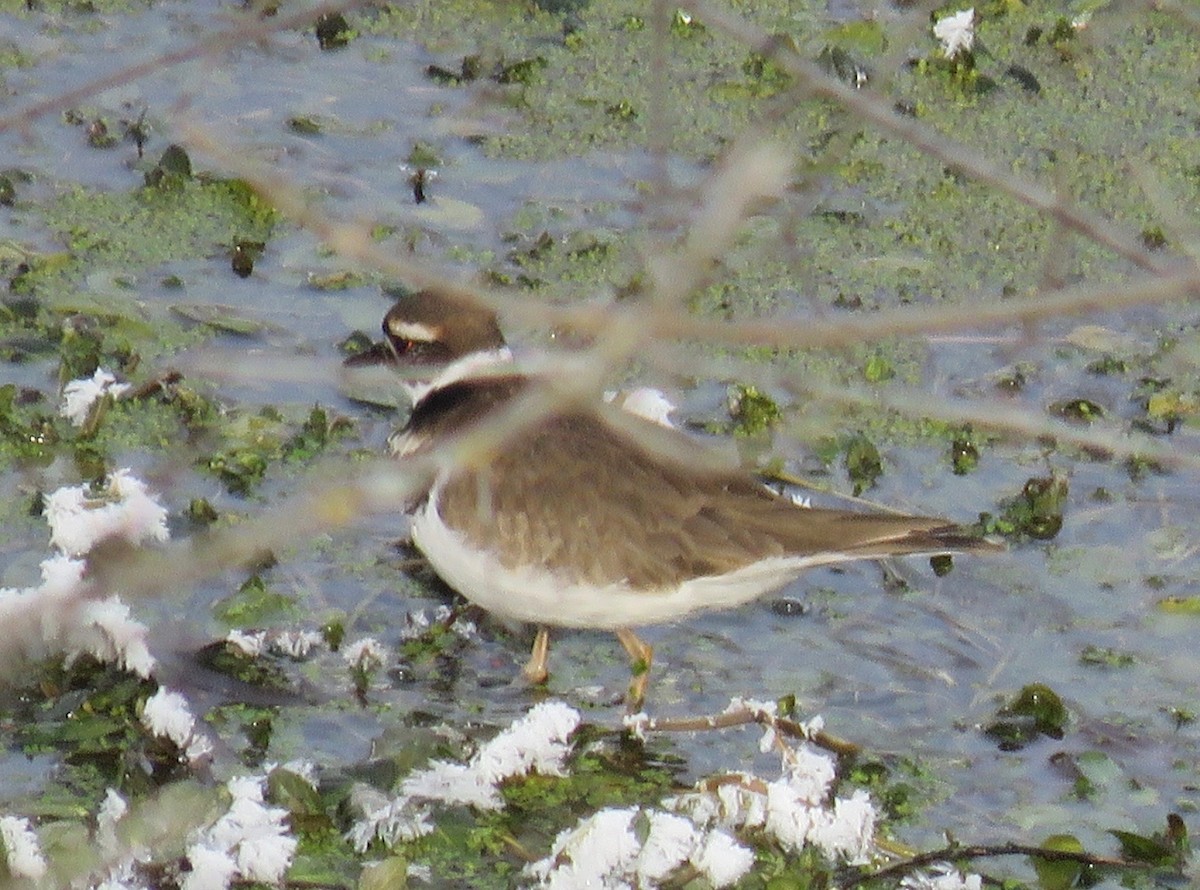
(1059,874)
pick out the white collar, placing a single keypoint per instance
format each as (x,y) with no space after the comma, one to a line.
(460,369)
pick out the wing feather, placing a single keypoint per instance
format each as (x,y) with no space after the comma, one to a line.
(590,504)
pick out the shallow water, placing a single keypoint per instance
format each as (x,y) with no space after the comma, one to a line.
(913,673)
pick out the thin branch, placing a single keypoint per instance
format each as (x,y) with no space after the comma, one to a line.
(957,852)
(919,321)
(1109,440)
(353,240)
(743,717)
(877,110)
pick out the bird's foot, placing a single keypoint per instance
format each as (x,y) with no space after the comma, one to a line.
(641,657)
(535,670)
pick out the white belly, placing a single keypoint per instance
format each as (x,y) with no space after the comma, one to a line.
(532,594)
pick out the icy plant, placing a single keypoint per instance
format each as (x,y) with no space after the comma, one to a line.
(55,616)
(80,395)
(644,847)
(249,643)
(297,644)
(249,842)
(636,847)
(121,863)
(417,623)
(304,769)
(941,876)
(112,810)
(59,617)
(956,32)
(167,714)
(796,809)
(536,743)
(639,848)
(80,519)
(294,644)
(365,655)
(21,848)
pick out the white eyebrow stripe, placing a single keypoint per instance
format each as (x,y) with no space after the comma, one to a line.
(414,330)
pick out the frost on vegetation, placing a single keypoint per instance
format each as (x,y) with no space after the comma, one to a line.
(21,848)
(59,617)
(168,714)
(632,847)
(304,769)
(251,644)
(419,622)
(249,842)
(956,32)
(55,617)
(637,846)
(761,710)
(535,743)
(80,395)
(296,644)
(795,809)
(366,654)
(80,519)
(941,876)
(112,810)
(122,863)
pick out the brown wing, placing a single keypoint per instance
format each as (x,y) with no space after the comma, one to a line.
(579,497)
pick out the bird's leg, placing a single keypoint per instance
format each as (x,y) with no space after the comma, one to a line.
(641,656)
(535,670)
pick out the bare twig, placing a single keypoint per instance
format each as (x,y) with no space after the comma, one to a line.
(879,112)
(958,852)
(744,716)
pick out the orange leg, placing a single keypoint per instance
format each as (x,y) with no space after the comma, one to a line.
(535,670)
(641,656)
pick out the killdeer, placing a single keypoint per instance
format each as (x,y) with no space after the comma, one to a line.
(589,517)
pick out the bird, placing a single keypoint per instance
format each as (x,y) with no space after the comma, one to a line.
(590,517)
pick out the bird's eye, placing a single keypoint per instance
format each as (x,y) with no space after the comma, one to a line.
(414,350)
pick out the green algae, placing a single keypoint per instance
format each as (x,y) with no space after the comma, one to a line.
(920,234)
(250,443)
(154,225)
(753,412)
(82,305)
(255,604)
(1035,710)
(487,849)
(900,230)
(1037,512)
(89,714)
